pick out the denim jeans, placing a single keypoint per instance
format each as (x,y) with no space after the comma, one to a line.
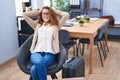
(41,61)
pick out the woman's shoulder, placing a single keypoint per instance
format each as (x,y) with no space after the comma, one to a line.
(55,27)
(38,25)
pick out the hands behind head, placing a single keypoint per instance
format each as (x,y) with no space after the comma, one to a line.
(39,10)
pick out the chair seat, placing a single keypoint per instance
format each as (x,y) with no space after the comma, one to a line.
(72,38)
(53,66)
(87,41)
(111,20)
(69,45)
(29,65)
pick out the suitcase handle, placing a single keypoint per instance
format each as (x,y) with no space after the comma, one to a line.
(71,59)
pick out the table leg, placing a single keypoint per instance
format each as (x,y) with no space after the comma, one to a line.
(91,54)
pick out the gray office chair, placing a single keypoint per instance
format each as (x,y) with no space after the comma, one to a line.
(23,59)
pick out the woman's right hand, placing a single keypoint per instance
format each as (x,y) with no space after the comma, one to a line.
(39,10)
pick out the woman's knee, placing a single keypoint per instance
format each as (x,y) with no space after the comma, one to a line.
(33,69)
(36,58)
(49,59)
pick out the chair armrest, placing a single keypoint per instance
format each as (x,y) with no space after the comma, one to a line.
(61,57)
(23,54)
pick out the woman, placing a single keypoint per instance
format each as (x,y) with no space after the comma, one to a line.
(45,43)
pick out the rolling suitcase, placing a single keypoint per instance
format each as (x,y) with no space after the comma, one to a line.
(75,67)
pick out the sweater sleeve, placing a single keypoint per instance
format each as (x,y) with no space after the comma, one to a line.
(28,17)
(35,36)
(64,17)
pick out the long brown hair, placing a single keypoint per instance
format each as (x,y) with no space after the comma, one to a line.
(53,16)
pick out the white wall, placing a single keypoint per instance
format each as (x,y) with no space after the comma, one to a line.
(36,4)
(112,7)
(18,7)
(8,30)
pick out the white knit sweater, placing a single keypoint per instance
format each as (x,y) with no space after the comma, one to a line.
(44,42)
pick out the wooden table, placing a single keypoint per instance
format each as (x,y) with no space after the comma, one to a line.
(89,31)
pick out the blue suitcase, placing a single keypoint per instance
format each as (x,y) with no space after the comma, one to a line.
(75,67)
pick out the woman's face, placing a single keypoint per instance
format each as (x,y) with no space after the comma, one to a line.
(45,15)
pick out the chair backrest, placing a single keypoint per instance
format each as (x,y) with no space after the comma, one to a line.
(111,20)
(102,30)
(64,36)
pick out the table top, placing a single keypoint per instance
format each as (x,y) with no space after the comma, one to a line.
(89,28)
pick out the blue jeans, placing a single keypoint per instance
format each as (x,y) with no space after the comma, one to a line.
(40,61)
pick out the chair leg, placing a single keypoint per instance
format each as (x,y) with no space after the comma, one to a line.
(83,47)
(77,47)
(106,45)
(100,54)
(81,50)
(103,50)
(74,50)
(67,53)
(53,76)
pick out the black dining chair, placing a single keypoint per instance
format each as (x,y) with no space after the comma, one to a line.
(64,38)
(97,41)
(23,59)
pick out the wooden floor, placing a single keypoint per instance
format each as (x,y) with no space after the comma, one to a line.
(110,71)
